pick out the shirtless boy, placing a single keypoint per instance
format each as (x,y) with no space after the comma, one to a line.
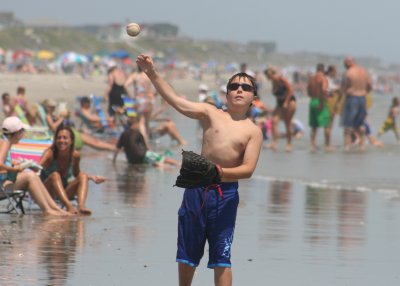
(230,140)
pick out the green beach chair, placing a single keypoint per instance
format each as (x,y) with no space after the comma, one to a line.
(21,114)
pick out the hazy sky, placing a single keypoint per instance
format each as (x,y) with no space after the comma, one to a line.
(351,27)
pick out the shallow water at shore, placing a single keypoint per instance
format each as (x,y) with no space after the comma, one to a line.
(304,219)
(288,233)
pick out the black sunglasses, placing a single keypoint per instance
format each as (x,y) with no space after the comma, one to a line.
(245,86)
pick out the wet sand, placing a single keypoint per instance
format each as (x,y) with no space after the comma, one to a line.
(304,219)
(287,234)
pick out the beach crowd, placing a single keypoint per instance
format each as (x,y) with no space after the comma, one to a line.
(133,118)
(234,124)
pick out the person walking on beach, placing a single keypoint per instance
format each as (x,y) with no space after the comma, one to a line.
(144,95)
(285,106)
(356,84)
(390,121)
(318,108)
(233,142)
(115,89)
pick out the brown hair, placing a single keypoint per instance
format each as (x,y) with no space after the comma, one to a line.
(270,71)
(244,75)
(21,90)
(54,145)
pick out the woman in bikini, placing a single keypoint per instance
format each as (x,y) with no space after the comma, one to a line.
(285,106)
(61,172)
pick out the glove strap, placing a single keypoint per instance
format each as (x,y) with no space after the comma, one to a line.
(220,171)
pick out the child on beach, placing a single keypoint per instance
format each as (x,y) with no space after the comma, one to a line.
(233,142)
(390,121)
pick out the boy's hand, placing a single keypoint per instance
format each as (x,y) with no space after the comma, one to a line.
(145,63)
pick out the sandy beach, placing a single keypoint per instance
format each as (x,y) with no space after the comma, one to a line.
(304,219)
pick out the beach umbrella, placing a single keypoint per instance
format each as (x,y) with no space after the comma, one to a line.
(102,53)
(120,54)
(45,55)
(128,61)
(21,54)
(72,58)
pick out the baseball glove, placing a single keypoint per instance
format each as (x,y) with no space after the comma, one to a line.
(197,171)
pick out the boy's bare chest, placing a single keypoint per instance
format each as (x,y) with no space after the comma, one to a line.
(232,133)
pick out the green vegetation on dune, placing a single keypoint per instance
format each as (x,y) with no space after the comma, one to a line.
(64,39)
(55,39)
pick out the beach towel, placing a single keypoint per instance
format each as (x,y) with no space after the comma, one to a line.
(29,149)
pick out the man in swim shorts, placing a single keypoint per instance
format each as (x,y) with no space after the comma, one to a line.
(319,115)
(356,85)
(230,140)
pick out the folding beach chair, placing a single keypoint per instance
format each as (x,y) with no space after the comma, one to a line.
(14,199)
(129,106)
(26,149)
(107,128)
(129,111)
(21,114)
(97,105)
(42,115)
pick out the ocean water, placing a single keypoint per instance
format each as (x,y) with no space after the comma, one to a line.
(304,219)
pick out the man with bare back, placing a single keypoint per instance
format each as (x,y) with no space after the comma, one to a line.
(356,84)
(231,141)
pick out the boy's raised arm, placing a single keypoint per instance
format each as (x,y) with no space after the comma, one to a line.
(191,109)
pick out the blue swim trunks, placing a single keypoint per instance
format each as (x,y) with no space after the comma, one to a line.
(207,214)
(355,111)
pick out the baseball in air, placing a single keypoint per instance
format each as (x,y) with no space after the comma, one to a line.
(133,29)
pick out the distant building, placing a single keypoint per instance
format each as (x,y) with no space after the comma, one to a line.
(7,20)
(117,32)
(162,30)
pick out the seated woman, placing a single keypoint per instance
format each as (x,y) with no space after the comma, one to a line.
(60,163)
(16,178)
(53,121)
